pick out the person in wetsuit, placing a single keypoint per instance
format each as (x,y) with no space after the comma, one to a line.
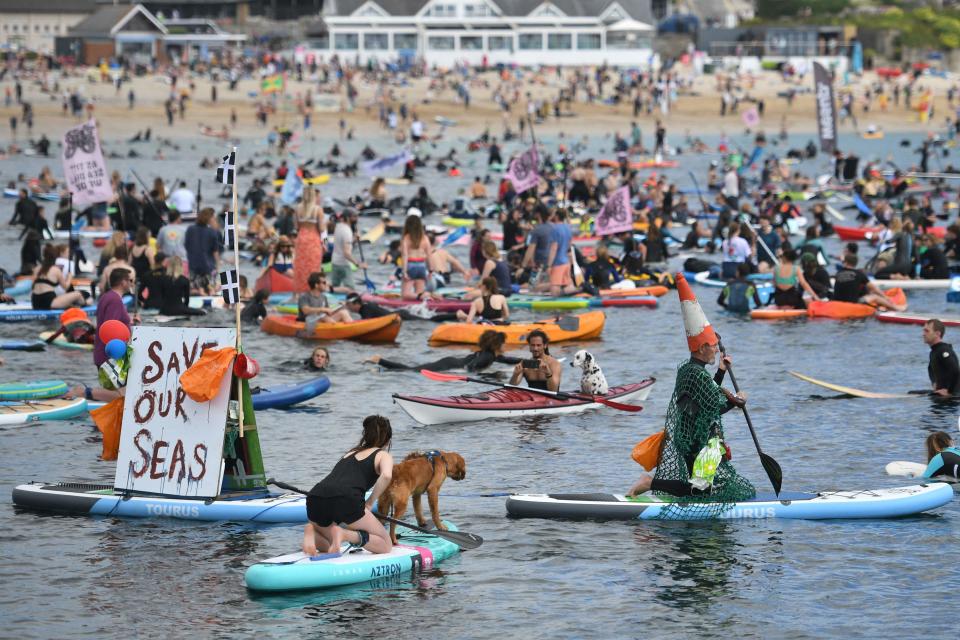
(491,350)
(738,293)
(943,458)
(176,291)
(541,371)
(491,306)
(852,285)
(319,360)
(336,509)
(943,369)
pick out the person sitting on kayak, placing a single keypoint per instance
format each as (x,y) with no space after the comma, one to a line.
(336,509)
(313,306)
(319,360)
(542,371)
(816,276)
(789,282)
(491,306)
(736,296)
(852,285)
(943,458)
(694,427)
(944,369)
(491,350)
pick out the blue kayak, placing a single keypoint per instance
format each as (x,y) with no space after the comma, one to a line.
(285,395)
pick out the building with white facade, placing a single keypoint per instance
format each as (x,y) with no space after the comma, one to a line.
(34,24)
(522,32)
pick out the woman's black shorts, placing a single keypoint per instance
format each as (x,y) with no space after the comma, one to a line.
(337,510)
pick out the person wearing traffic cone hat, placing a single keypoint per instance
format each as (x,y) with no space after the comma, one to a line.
(693,464)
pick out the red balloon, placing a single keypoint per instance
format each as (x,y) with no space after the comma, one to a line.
(113,330)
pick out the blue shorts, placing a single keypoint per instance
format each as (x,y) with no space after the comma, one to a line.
(417,270)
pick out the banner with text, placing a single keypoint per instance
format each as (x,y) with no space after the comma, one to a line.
(826,108)
(616,215)
(83,166)
(170,444)
(523,171)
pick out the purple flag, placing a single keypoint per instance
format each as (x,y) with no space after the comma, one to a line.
(83,166)
(616,215)
(523,170)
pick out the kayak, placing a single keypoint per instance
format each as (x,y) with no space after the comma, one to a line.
(452,221)
(897,317)
(877,503)
(323,178)
(582,327)
(36,390)
(384,329)
(642,164)
(51,196)
(832,309)
(297,571)
(275,282)
(546,303)
(62,342)
(511,402)
(23,345)
(285,395)
(41,410)
(656,290)
(104,500)
(868,233)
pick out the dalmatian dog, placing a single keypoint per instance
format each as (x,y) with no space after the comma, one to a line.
(592,380)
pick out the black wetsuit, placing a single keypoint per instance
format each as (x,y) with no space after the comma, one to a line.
(176,297)
(944,369)
(338,498)
(476,361)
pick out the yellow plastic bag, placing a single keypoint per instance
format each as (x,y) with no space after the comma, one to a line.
(109,420)
(202,381)
(647,452)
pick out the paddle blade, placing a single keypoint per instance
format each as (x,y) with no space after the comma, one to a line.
(613,404)
(774,472)
(442,377)
(460,538)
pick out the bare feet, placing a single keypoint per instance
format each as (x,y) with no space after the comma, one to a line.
(375,359)
(336,540)
(309,542)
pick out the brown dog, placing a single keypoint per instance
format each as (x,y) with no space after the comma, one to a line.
(419,473)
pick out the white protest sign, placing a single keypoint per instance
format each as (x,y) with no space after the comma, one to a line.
(83,166)
(170,444)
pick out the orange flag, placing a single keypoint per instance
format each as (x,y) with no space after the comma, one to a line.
(109,419)
(202,381)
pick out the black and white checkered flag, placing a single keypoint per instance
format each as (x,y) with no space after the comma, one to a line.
(230,286)
(225,172)
(229,230)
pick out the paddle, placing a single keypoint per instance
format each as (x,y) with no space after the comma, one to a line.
(567,323)
(453,377)
(462,539)
(371,287)
(774,472)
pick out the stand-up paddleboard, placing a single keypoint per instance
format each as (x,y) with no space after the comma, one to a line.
(904,468)
(295,571)
(23,345)
(850,391)
(41,410)
(877,503)
(36,390)
(897,317)
(919,283)
(62,342)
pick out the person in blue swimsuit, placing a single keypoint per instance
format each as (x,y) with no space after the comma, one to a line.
(943,459)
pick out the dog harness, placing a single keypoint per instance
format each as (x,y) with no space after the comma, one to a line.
(432,456)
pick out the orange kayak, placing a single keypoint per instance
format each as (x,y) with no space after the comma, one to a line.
(833,309)
(656,290)
(383,329)
(582,327)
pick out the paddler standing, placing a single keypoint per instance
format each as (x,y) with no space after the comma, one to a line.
(944,370)
(694,461)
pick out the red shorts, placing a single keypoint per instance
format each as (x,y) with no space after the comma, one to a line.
(560,275)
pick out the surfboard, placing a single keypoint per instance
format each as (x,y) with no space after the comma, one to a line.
(374,233)
(908,469)
(850,391)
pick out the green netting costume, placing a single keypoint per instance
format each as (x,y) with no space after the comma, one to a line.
(693,418)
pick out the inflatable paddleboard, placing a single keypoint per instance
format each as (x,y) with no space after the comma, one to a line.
(417,551)
(41,410)
(23,345)
(26,313)
(877,503)
(37,390)
(281,396)
(62,342)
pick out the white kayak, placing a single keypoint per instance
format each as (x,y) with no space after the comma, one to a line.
(876,503)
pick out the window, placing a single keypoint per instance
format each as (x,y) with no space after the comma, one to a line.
(376,41)
(346,41)
(442,11)
(320,42)
(628,40)
(547,11)
(404,41)
(369,12)
(530,41)
(559,41)
(440,43)
(46,28)
(471,43)
(500,43)
(476,10)
(588,41)
(14,28)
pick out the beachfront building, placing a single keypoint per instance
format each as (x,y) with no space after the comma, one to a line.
(522,32)
(33,25)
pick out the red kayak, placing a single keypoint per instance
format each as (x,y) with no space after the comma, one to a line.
(851,234)
(511,402)
(913,318)
(275,282)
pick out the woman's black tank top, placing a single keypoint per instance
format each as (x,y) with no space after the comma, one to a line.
(350,477)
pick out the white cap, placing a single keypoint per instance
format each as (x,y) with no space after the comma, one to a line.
(413,211)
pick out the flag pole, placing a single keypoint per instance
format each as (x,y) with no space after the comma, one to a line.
(236,266)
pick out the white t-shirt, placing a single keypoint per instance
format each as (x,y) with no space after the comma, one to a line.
(416,128)
(342,239)
(183,200)
(736,250)
(731,185)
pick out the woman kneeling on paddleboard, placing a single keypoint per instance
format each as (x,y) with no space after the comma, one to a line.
(943,459)
(336,510)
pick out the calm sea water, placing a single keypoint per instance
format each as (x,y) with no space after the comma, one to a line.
(113,578)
